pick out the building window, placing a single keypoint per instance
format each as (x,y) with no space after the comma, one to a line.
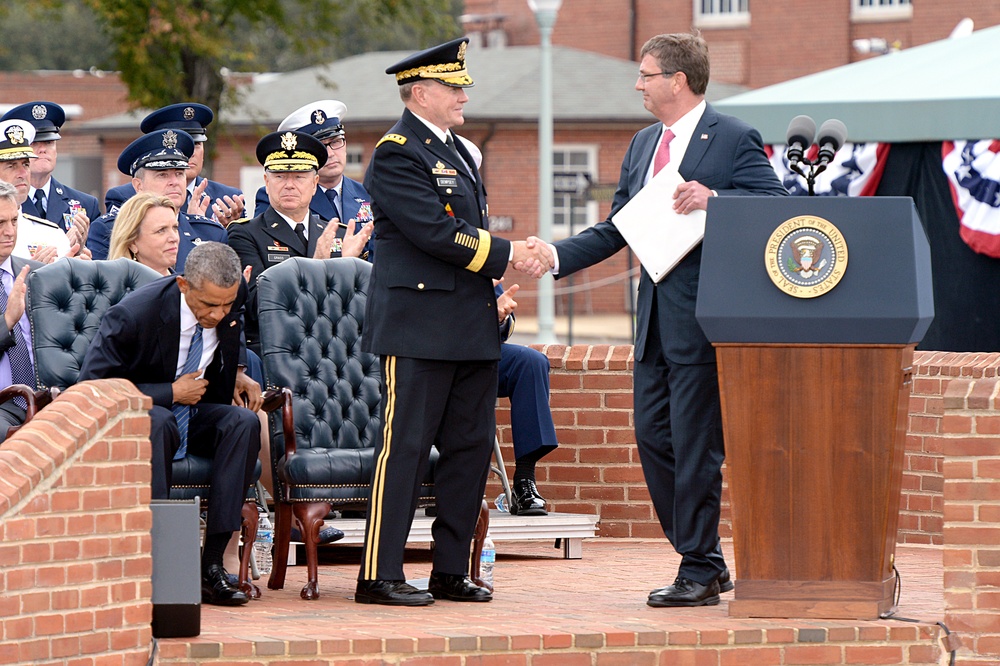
(572,211)
(881,10)
(722,13)
(355,167)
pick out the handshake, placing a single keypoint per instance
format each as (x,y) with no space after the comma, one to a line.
(533,257)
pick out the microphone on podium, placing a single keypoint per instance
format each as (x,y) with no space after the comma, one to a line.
(800,135)
(832,135)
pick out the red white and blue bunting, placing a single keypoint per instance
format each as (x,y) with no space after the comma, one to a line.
(973,170)
(855,170)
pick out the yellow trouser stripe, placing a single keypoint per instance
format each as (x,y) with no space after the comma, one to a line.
(378,485)
(479,259)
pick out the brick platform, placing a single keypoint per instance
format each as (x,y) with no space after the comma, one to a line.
(549,611)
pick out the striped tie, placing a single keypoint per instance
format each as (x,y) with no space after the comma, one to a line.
(183,412)
(21,370)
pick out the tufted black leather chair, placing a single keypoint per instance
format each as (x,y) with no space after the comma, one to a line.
(311,314)
(66,301)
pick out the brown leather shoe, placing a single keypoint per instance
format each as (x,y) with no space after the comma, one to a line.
(391,593)
(456,587)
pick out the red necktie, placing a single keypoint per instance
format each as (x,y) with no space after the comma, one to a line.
(663,152)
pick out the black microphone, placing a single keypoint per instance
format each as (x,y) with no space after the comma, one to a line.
(800,135)
(832,135)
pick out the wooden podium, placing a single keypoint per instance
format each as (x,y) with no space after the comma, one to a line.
(815,394)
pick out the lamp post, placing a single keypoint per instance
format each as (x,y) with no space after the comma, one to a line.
(545,15)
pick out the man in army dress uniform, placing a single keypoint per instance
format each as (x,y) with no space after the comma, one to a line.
(287,228)
(156,162)
(432,319)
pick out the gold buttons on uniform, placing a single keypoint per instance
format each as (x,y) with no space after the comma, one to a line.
(420,285)
(448,191)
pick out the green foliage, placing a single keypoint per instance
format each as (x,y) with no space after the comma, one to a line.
(65,36)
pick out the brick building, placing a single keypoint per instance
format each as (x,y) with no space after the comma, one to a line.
(752,45)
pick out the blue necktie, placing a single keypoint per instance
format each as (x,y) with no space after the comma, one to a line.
(183,412)
(21,371)
(331,194)
(40,202)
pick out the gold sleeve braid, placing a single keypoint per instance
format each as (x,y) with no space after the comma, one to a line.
(480,244)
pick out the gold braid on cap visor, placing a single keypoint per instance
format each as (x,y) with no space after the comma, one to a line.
(452,72)
(298,161)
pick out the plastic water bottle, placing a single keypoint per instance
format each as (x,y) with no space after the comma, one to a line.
(487,560)
(501,503)
(262,544)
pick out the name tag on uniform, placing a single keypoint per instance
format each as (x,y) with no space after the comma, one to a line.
(276,258)
(447,182)
(444,172)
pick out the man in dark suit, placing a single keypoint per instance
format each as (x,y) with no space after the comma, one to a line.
(178,340)
(157,162)
(48,198)
(678,422)
(432,319)
(16,354)
(286,228)
(219,202)
(338,198)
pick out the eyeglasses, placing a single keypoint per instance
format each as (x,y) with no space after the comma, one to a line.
(335,143)
(646,77)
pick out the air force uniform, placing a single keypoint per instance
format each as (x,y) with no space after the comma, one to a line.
(159,150)
(432,318)
(60,202)
(188,117)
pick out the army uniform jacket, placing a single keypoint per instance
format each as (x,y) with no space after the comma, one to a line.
(431,293)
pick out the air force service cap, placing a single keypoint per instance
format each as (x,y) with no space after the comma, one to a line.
(444,63)
(188,116)
(46,117)
(291,151)
(159,151)
(322,119)
(15,140)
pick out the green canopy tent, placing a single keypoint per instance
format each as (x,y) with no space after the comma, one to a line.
(914,100)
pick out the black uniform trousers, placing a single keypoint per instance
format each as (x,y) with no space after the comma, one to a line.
(426,402)
(227,435)
(678,428)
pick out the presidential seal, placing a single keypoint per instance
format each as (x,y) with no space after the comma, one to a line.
(806,256)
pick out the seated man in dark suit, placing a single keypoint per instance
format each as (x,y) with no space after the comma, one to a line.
(178,340)
(16,360)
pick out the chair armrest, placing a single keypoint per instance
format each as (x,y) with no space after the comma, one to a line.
(34,399)
(272,400)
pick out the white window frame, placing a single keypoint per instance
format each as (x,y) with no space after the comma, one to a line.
(355,167)
(722,13)
(589,209)
(863,11)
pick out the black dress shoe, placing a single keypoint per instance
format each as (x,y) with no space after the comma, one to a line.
(725,582)
(456,587)
(525,500)
(326,535)
(216,590)
(391,593)
(685,592)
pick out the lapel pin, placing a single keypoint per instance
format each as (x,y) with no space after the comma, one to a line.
(704,137)
(231,324)
(274,225)
(427,141)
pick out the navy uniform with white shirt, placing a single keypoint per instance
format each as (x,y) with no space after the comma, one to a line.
(191,118)
(432,319)
(163,149)
(59,202)
(348,199)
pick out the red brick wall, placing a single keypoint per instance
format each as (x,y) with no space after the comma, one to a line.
(596,467)
(75,560)
(970,444)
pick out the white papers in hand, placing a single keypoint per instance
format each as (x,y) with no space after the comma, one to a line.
(659,236)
